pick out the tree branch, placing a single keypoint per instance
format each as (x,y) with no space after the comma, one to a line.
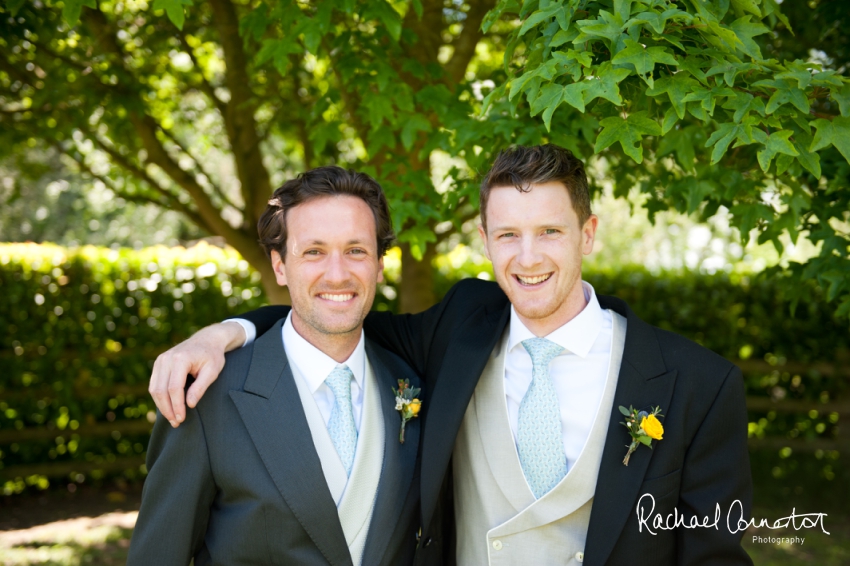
(468,39)
(205,85)
(240,122)
(428,30)
(469,215)
(16,73)
(199,168)
(170,200)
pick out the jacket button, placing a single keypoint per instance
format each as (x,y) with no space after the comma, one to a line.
(580,556)
(497,544)
(429,541)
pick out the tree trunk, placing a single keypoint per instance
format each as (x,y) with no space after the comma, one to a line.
(416,288)
(276,294)
(256,257)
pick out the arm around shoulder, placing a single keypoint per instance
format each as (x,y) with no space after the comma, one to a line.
(264,318)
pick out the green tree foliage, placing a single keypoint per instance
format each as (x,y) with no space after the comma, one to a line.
(152,108)
(680,101)
(699,104)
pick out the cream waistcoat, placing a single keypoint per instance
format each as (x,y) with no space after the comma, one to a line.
(355,495)
(498,520)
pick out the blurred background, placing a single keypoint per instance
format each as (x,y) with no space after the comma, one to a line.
(139,141)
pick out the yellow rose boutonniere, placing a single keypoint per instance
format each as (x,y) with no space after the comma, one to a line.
(407,404)
(643,427)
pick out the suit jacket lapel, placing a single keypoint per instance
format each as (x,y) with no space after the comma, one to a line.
(272,412)
(399,461)
(469,349)
(643,382)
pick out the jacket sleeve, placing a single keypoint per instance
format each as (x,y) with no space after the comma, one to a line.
(717,471)
(177,496)
(264,318)
(409,336)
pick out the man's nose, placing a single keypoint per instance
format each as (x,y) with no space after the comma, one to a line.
(337,271)
(529,254)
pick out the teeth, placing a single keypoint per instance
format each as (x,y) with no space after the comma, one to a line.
(533,280)
(337,298)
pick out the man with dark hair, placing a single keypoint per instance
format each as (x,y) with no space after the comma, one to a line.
(293,455)
(525,379)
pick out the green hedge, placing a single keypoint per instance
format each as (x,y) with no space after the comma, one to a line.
(79,330)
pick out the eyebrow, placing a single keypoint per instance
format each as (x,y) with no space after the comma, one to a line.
(323,243)
(538,227)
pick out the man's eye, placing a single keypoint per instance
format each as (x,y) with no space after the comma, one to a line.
(551,231)
(358,251)
(507,235)
(311,252)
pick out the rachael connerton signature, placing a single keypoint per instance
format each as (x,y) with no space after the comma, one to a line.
(735,521)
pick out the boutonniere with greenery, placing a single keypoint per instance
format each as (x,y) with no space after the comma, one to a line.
(643,427)
(406,403)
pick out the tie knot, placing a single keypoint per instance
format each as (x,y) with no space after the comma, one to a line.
(339,381)
(541,350)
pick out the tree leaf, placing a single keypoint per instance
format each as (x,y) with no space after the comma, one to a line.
(677,87)
(173,9)
(538,17)
(721,138)
(643,59)
(777,142)
(745,30)
(628,132)
(384,12)
(745,103)
(605,85)
(412,125)
(836,132)
(623,8)
(608,26)
(842,96)
(750,6)
(670,119)
(785,92)
(574,94)
(73,8)
(14,5)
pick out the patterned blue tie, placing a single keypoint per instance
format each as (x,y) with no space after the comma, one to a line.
(539,440)
(341,424)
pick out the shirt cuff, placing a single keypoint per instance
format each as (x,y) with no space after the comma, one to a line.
(248,327)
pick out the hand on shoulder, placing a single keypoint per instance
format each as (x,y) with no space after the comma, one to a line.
(202,355)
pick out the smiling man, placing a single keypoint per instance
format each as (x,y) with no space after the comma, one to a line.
(293,454)
(523,449)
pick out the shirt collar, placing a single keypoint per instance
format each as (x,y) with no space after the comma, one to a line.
(576,336)
(316,365)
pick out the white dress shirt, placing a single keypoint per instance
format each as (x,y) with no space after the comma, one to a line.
(579,372)
(314,366)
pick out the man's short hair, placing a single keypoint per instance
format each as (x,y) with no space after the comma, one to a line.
(522,166)
(323,182)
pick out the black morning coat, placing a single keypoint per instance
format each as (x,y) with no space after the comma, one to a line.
(699,469)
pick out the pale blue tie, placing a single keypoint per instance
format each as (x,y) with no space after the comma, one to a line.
(341,424)
(539,440)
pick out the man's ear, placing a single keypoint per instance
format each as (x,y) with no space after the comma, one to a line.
(483,233)
(279,269)
(381,270)
(588,234)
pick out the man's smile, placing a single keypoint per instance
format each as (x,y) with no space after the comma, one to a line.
(337,297)
(532,280)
